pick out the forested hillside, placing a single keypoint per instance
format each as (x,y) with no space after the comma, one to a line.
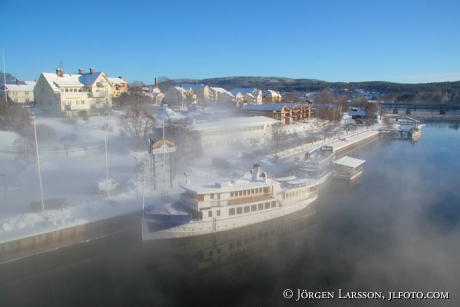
(438,92)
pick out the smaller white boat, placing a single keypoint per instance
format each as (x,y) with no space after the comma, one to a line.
(347,168)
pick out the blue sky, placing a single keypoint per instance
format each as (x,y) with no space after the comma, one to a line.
(398,41)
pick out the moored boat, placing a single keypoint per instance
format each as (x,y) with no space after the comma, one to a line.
(213,207)
(347,168)
(317,163)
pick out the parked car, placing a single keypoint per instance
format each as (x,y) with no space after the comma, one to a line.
(110,185)
(50,204)
(221,163)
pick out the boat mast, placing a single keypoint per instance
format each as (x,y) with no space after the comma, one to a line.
(4,77)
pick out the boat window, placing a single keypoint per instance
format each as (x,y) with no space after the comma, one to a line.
(239,210)
(267,205)
(212,196)
(273,204)
(210,213)
(231,211)
(253,208)
(260,206)
(246,209)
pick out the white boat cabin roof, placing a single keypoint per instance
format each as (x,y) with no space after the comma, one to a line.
(229,185)
(349,161)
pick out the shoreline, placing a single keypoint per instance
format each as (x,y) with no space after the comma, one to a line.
(43,242)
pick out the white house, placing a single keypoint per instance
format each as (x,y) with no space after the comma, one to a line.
(67,94)
(21,92)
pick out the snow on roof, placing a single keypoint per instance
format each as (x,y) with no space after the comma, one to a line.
(270,93)
(244,91)
(220,90)
(188,86)
(71,79)
(349,161)
(22,87)
(264,107)
(234,122)
(116,80)
(177,88)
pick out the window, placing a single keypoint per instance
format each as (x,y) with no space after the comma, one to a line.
(260,206)
(239,210)
(231,211)
(218,212)
(267,205)
(253,208)
(273,204)
(246,209)
(209,213)
(200,197)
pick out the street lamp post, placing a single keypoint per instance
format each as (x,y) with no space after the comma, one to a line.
(6,199)
(135,170)
(38,165)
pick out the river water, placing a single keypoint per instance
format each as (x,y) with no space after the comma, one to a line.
(395,229)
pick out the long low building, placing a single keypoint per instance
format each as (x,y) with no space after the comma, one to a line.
(240,131)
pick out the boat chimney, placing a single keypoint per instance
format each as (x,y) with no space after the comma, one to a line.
(80,71)
(156,82)
(255,172)
(91,70)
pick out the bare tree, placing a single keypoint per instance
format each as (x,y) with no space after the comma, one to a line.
(138,122)
(278,136)
(324,97)
(186,140)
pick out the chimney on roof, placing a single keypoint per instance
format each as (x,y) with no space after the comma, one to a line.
(80,71)
(120,77)
(91,70)
(18,82)
(156,82)
(58,71)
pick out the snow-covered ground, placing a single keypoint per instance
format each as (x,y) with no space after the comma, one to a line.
(73,174)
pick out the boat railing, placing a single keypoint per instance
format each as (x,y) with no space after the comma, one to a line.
(249,199)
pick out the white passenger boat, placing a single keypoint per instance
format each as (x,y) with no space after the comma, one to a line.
(317,164)
(347,168)
(213,207)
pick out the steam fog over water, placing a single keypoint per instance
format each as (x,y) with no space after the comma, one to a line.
(395,229)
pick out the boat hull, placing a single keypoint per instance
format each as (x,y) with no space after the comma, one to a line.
(152,231)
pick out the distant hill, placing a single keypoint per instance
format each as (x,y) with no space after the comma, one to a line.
(308,85)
